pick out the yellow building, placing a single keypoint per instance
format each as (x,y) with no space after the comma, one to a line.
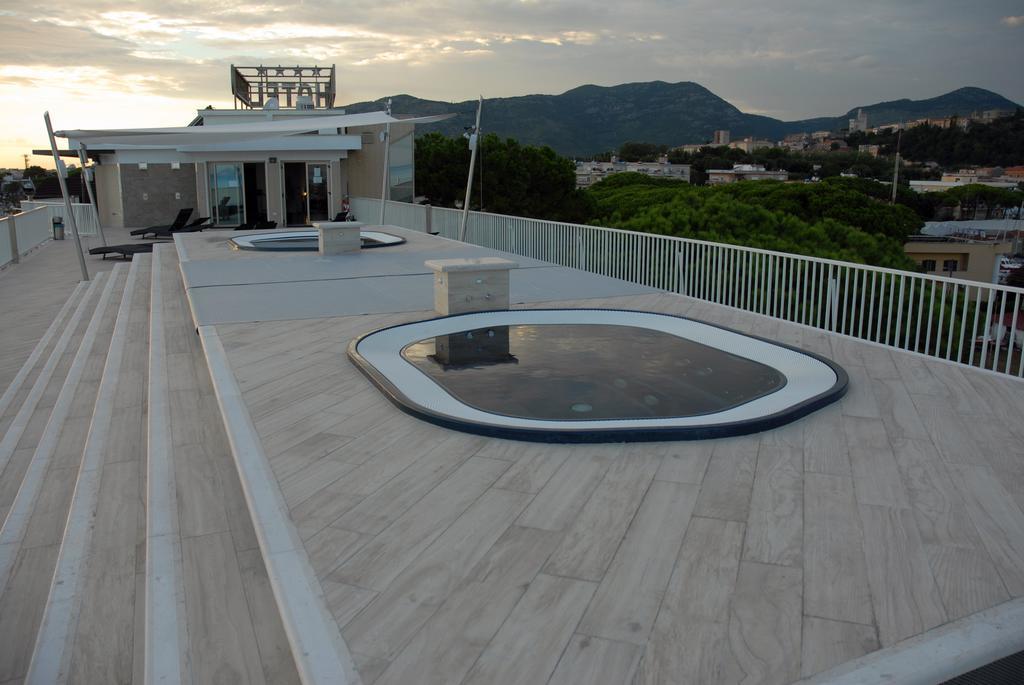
(965,259)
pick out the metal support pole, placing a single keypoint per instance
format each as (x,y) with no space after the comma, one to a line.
(88,187)
(896,166)
(67,199)
(386,177)
(474,141)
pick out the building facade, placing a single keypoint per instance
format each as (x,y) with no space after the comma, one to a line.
(745,172)
(589,173)
(966,259)
(290,180)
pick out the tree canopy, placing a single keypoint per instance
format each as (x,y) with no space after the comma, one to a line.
(830,219)
(523,180)
(1000,142)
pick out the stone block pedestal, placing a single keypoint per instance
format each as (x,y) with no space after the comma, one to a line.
(339,237)
(470,285)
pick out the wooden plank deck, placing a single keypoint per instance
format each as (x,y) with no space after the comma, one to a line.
(761,559)
(33,291)
(447,558)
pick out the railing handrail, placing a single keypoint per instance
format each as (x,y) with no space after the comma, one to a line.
(743,248)
(965,321)
(22,213)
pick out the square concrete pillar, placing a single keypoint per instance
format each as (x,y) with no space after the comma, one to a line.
(339,237)
(470,285)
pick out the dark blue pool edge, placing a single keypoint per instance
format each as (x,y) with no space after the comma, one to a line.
(599,435)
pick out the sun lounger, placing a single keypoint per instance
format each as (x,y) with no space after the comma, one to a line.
(179,222)
(193,227)
(125,251)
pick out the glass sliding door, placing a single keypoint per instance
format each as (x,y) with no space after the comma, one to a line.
(318,208)
(306,191)
(227,197)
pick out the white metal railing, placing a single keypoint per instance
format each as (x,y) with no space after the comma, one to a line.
(85,215)
(20,233)
(972,323)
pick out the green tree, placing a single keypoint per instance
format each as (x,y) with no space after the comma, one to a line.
(831,219)
(523,180)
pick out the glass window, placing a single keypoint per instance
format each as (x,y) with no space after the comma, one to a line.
(226,195)
(400,168)
(950,265)
(928,266)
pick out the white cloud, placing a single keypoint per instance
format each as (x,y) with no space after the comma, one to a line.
(793,58)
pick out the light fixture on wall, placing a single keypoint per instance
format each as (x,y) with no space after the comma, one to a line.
(175,165)
(143,166)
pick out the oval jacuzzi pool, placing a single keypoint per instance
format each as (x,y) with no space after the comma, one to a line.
(593,375)
(305,241)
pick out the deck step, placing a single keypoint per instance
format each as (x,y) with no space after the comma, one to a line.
(88,626)
(23,432)
(209,611)
(14,396)
(31,534)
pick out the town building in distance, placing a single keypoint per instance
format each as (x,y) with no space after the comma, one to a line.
(994,177)
(589,173)
(745,172)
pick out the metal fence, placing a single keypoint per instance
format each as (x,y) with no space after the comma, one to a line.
(85,215)
(972,323)
(23,232)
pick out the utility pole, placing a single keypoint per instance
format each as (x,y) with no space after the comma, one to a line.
(386,182)
(474,139)
(67,199)
(87,182)
(896,166)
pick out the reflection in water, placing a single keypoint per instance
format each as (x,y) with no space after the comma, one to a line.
(589,371)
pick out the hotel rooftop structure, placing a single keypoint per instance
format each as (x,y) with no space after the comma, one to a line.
(235,465)
(255,166)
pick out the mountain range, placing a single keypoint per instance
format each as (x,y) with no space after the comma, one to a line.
(590,119)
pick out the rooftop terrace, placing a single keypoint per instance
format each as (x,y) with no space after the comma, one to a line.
(242,505)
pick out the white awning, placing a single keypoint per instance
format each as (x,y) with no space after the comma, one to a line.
(223,133)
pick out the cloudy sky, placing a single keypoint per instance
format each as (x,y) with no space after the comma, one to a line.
(97,63)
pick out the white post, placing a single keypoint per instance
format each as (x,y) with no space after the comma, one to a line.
(474,140)
(13,236)
(67,200)
(896,165)
(386,177)
(88,186)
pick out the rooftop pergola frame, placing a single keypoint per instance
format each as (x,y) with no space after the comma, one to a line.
(252,87)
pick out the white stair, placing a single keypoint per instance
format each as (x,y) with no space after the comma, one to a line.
(89,623)
(32,528)
(128,553)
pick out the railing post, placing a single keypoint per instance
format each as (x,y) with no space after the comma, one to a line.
(13,235)
(428,219)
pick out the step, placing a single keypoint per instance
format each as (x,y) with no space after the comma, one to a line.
(88,628)
(31,534)
(209,611)
(14,396)
(19,440)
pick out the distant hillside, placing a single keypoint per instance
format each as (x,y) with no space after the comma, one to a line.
(592,119)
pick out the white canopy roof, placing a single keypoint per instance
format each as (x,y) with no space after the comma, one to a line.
(223,133)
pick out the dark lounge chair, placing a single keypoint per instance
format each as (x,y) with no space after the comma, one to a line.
(195,225)
(126,251)
(179,222)
(257,226)
(192,227)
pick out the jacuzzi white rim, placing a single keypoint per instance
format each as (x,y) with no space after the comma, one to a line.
(245,242)
(819,382)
